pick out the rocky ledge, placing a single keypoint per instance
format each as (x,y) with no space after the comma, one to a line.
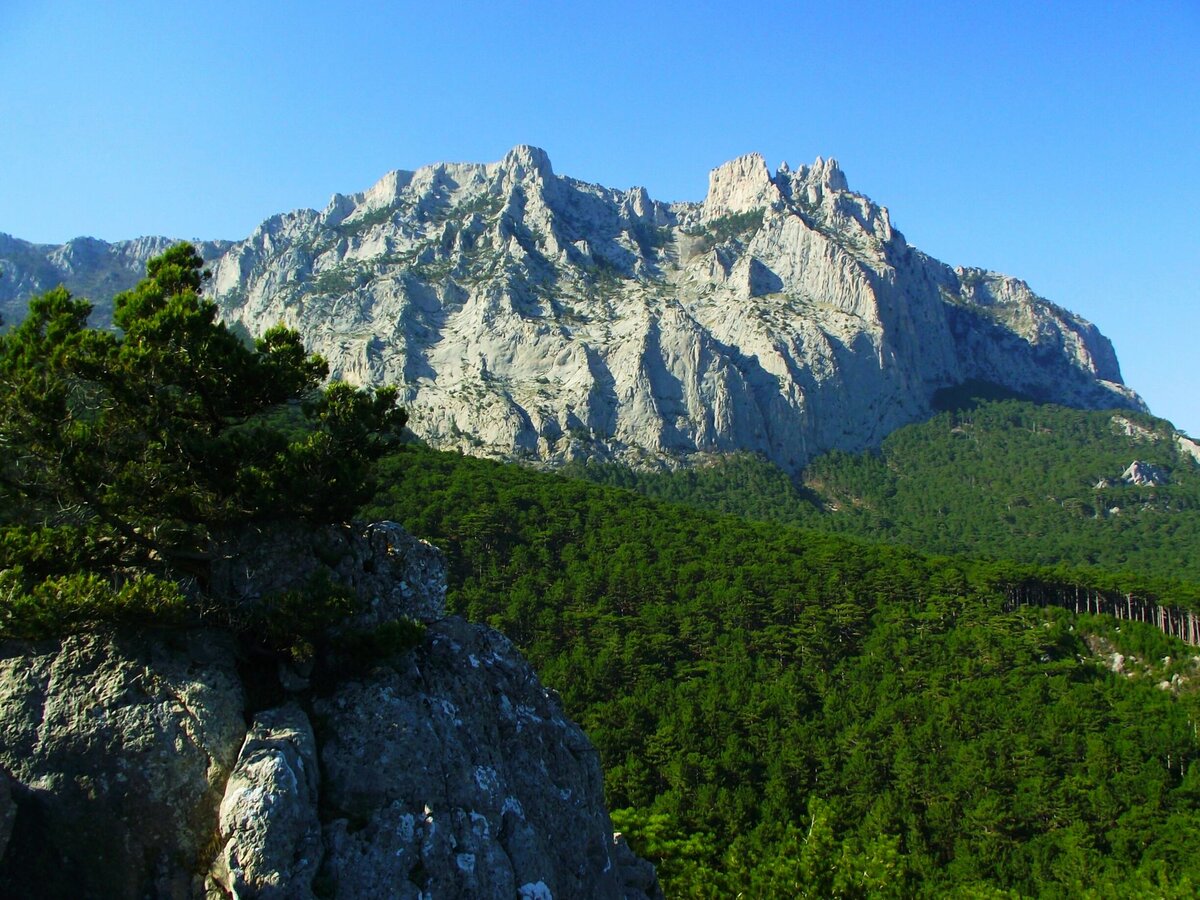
(166,764)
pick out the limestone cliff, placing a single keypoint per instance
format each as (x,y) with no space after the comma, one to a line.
(527,314)
(169,765)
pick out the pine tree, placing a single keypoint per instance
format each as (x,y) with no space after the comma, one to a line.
(145,446)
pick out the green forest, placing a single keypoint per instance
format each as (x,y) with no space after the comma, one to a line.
(999,478)
(782,712)
(779,710)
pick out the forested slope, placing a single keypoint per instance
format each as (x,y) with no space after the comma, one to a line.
(784,713)
(1006,479)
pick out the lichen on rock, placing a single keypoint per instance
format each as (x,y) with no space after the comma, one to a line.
(458,775)
(269,815)
(119,747)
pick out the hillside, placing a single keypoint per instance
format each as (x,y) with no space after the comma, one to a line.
(750,686)
(1006,479)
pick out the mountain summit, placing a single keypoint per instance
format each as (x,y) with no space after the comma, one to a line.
(528,314)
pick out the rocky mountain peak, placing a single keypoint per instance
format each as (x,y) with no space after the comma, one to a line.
(822,189)
(385,192)
(739,186)
(826,173)
(532,315)
(526,162)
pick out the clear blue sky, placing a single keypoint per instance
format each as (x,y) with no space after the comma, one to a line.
(1055,141)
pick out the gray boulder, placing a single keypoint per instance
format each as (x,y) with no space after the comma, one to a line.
(1144,474)
(457,775)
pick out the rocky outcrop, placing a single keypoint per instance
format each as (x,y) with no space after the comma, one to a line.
(119,747)
(269,816)
(1188,448)
(512,785)
(443,770)
(1143,473)
(391,573)
(526,314)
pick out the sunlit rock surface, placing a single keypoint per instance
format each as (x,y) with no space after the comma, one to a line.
(527,314)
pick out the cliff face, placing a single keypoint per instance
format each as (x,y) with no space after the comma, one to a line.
(528,314)
(167,765)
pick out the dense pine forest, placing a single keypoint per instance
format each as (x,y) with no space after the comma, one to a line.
(782,712)
(1001,478)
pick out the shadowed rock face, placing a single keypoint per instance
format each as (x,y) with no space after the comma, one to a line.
(137,767)
(118,747)
(391,573)
(527,314)
(87,267)
(493,780)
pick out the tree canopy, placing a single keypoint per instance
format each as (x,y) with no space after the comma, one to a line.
(785,713)
(143,446)
(1000,478)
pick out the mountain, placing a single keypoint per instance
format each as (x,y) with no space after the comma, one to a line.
(87,267)
(530,315)
(776,712)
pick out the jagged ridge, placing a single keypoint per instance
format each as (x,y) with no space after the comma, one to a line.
(532,315)
(86,266)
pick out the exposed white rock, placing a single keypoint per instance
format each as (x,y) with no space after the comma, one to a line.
(1188,447)
(741,185)
(268,817)
(527,314)
(1144,473)
(1135,430)
(440,785)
